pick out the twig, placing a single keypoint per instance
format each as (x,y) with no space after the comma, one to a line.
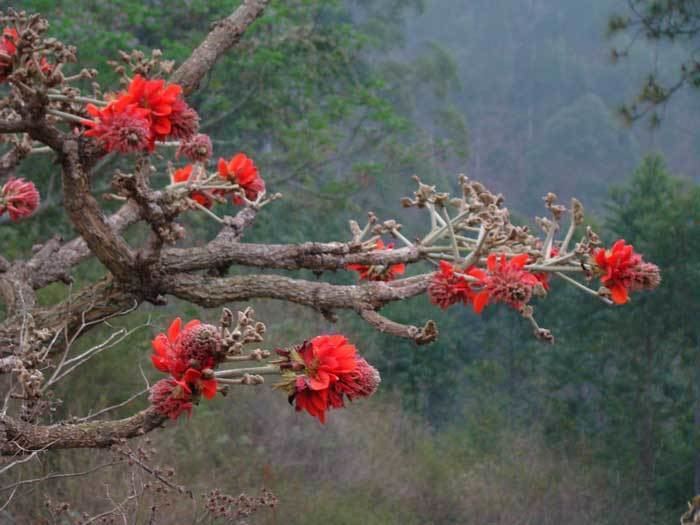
(584,288)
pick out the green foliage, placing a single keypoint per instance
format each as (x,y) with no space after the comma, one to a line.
(625,378)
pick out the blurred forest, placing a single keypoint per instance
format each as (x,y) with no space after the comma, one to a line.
(340,102)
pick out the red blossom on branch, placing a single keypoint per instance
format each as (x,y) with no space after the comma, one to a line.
(184,121)
(325,358)
(196,149)
(622,270)
(447,288)
(505,281)
(200,382)
(200,345)
(332,369)
(241,170)
(167,355)
(8,49)
(189,355)
(121,126)
(148,111)
(363,381)
(19,198)
(378,272)
(158,98)
(171,398)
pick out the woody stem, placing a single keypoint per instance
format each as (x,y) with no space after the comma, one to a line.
(237,372)
(584,288)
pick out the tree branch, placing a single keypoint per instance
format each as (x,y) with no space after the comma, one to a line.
(88,219)
(421,336)
(213,291)
(225,35)
(18,437)
(53,262)
(309,255)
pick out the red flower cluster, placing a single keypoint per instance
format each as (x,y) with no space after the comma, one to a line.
(171,398)
(121,127)
(19,198)
(332,370)
(8,49)
(148,111)
(378,272)
(447,288)
(622,270)
(183,175)
(504,281)
(241,170)
(189,354)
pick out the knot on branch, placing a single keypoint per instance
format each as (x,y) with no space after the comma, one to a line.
(425,335)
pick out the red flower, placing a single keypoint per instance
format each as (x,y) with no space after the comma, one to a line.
(361,382)
(183,175)
(446,288)
(621,270)
(325,357)
(199,382)
(505,282)
(8,49)
(332,370)
(200,345)
(158,98)
(241,170)
(196,149)
(167,356)
(184,120)
(646,276)
(171,398)
(378,272)
(121,126)
(315,402)
(19,198)
(189,354)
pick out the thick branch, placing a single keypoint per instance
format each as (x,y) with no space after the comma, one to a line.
(88,219)
(212,291)
(225,35)
(309,255)
(53,262)
(18,437)
(14,126)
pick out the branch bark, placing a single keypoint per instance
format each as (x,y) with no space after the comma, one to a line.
(88,219)
(18,437)
(324,297)
(309,255)
(53,262)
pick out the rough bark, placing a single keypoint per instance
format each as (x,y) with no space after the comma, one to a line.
(18,437)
